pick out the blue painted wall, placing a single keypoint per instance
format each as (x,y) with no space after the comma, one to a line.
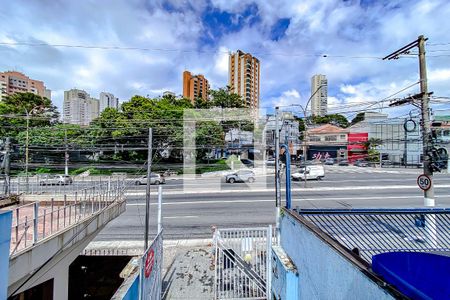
(133,291)
(5,238)
(324,273)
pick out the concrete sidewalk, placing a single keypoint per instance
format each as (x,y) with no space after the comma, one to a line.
(188,273)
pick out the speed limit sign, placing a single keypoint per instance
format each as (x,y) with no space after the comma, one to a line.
(424,182)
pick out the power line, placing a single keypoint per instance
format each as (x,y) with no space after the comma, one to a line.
(173,50)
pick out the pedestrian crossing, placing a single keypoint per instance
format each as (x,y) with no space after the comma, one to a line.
(368,170)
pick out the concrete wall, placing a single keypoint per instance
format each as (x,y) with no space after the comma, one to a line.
(324,273)
(51,257)
(5,237)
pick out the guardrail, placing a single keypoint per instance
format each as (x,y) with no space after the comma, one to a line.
(39,220)
(367,232)
(38,185)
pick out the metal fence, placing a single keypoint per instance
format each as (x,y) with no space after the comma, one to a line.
(38,220)
(151,270)
(367,232)
(39,185)
(242,261)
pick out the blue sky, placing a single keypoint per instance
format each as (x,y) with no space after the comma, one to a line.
(289,37)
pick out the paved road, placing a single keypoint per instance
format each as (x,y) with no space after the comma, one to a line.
(192,206)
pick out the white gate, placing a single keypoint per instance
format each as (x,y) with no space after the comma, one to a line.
(243,263)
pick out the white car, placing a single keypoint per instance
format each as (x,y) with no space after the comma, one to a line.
(154,179)
(240,176)
(312,172)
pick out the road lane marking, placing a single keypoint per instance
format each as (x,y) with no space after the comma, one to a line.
(181,217)
(203,202)
(315,189)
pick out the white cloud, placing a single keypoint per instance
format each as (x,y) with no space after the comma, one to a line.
(345,30)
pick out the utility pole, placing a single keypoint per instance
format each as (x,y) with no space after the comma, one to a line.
(423,97)
(426,126)
(66,155)
(26,151)
(7,162)
(277,174)
(147,192)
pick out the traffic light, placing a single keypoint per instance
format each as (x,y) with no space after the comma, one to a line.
(438,159)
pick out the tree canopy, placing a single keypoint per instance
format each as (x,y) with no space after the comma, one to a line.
(14,109)
(358,118)
(334,119)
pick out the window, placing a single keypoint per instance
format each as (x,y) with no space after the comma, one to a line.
(314,138)
(330,138)
(342,136)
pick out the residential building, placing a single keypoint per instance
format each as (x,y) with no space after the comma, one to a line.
(79,108)
(195,86)
(319,95)
(3,86)
(108,100)
(244,77)
(169,94)
(12,82)
(327,141)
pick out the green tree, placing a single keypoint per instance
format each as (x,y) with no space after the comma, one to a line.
(223,98)
(370,145)
(334,119)
(358,118)
(209,135)
(14,109)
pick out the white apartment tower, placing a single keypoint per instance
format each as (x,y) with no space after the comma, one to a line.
(319,94)
(244,77)
(108,100)
(79,108)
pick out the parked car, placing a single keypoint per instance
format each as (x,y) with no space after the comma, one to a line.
(343,162)
(312,172)
(248,163)
(386,163)
(154,179)
(361,163)
(329,161)
(270,162)
(55,180)
(240,176)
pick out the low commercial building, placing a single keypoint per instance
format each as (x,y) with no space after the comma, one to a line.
(326,141)
(289,132)
(401,139)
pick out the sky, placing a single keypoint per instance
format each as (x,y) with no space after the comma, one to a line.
(345,40)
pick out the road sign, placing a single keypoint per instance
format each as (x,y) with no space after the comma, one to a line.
(150,260)
(424,182)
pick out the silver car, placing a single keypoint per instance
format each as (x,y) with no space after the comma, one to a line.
(55,180)
(154,179)
(240,176)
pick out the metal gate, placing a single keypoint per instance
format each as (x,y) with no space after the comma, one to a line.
(151,270)
(242,260)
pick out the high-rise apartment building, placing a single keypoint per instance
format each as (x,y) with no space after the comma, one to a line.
(319,94)
(244,77)
(195,86)
(108,100)
(79,108)
(12,82)
(3,86)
